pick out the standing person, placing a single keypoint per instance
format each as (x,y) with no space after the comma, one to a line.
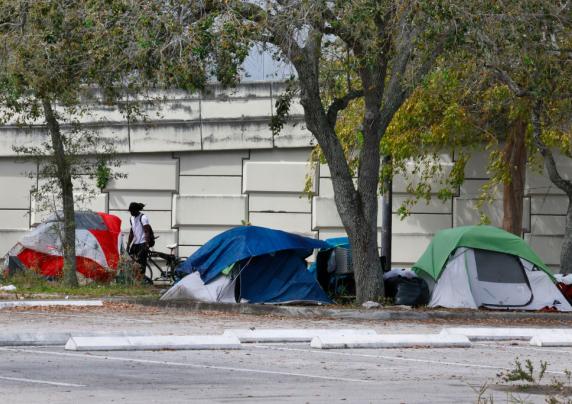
(140,236)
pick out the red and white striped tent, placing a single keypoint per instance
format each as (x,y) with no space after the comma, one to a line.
(98,245)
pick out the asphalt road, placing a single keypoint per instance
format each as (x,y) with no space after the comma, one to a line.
(258,373)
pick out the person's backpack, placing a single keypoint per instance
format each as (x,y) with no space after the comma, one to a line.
(151,233)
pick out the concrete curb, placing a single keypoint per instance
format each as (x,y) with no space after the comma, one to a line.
(153,343)
(293,335)
(45,303)
(392,341)
(355,314)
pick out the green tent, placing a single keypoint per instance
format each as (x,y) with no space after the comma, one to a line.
(489,238)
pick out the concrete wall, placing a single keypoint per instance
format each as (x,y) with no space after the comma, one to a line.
(205,163)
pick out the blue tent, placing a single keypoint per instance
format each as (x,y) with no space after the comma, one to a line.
(271,264)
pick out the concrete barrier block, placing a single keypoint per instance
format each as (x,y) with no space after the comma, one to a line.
(391,341)
(503,334)
(146,343)
(294,335)
(552,340)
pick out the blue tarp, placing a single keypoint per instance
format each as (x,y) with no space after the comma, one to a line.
(276,271)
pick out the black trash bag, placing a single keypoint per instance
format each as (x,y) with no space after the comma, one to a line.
(391,286)
(411,292)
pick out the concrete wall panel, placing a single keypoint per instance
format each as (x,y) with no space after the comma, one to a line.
(236,108)
(149,173)
(245,90)
(294,134)
(292,222)
(279,203)
(187,251)
(547,247)
(165,137)
(466,212)
(8,238)
(159,220)
(406,250)
(199,235)
(236,135)
(216,210)
(549,204)
(433,206)
(212,163)
(96,203)
(420,224)
(284,155)
(548,225)
(15,219)
(15,186)
(173,110)
(153,200)
(203,185)
(274,177)
(401,181)
(477,165)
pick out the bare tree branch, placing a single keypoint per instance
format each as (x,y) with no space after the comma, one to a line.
(340,104)
(549,161)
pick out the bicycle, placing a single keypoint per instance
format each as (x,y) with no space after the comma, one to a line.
(168,272)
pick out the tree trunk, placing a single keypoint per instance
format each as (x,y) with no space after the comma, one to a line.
(387,218)
(63,170)
(566,252)
(513,196)
(562,183)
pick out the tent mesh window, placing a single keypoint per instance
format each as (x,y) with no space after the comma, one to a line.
(499,267)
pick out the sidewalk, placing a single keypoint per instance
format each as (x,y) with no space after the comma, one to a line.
(383,314)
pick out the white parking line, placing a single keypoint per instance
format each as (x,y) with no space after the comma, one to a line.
(190,365)
(527,348)
(21,379)
(395,358)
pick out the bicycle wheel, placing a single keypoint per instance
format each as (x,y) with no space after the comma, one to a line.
(174,275)
(148,275)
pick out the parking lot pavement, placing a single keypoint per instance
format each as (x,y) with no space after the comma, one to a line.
(256,373)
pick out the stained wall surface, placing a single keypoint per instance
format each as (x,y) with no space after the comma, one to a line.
(204,163)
